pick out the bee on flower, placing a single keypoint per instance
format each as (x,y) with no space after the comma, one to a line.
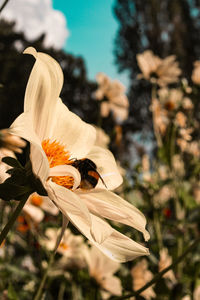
(58,139)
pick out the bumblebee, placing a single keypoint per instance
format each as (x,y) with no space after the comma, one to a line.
(88,172)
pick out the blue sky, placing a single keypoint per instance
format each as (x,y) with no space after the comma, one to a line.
(92,29)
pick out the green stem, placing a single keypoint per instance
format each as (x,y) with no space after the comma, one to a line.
(156,129)
(3,5)
(12,220)
(157,229)
(44,278)
(160,274)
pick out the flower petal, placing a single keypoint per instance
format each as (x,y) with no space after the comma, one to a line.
(67,170)
(22,127)
(34,212)
(112,284)
(42,91)
(106,167)
(68,202)
(117,246)
(77,136)
(113,207)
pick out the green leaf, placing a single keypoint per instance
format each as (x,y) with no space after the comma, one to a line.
(11,161)
(12,295)
(11,191)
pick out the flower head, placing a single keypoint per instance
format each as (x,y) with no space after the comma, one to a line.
(57,139)
(141,275)
(161,71)
(114,91)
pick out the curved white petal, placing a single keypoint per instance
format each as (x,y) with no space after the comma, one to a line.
(77,136)
(67,170)
(113,207)
(34,212)
(68,202)
(42,91)
(22,127)
(100,230)
(100,263)
(106,167)
(117,246)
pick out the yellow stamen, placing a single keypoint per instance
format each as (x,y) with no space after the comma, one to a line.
(57,155)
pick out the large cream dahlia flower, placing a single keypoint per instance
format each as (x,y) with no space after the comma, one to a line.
(57,136)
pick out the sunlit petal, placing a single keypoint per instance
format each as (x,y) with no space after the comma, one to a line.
(106,167)
(68,202)
(117,246)
(77,136)
(42,92)
(67,170)
(113,207)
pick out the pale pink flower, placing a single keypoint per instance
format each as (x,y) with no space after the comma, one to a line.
(114,91)
(141,275)
(187,103)
(170,98)
(193,148)
(146,174)
(164,262)
(71,247)
(164,194)
(163,172)
(160,116)
(166,70)
(57,137)
(181,119)
(196,193)
(178,165)
(182,143)
(186,133)
(196,72)
(36,206)
(102,269)
(196,294)
(148,63)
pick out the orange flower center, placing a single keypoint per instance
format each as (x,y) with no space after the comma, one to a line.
(63,246)
(36,200)
(57,155)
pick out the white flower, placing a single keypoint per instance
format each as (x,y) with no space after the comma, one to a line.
(37,205)
(57,137)
(102,269)
(141,275)
(71,247)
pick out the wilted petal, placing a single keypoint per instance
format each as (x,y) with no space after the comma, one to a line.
(113,207)
(106,167)
(117,246)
